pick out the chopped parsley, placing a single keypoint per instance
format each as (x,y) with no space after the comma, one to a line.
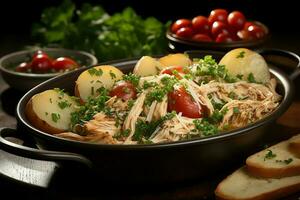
(209,67)
(55,117)
(134,79)
(240,76)
(92,90)
(236,110)
(287,161)
(93,106)
(60,92)
(217,105)
(112,75)
(251,78)
(95,72)
(232,95)
(241,54)
(46,113)
(130,103)
(269,155)
(158,92)
(64,104)
(204,127)
(50,99)
(148,84)
(122,134)
(144,129)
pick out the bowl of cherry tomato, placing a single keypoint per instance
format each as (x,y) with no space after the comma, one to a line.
(23,70)
(220,30)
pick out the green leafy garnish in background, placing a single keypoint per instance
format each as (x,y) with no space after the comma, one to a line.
(92,29)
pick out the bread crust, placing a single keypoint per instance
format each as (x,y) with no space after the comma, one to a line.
(273,194)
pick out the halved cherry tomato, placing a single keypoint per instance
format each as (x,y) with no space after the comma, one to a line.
(218,15)
(236,20)
(174,70)
(63,63)
(200,24)
(180,23)
(185,32)
(181,101)
(201,38)
(124,90)
(41,63)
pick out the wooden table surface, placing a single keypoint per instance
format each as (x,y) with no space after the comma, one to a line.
(66,183)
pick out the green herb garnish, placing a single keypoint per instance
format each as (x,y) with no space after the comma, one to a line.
(134,79)
(287,161)
(55,117)
(241,54)
(251,78)
(95,72)
(63,104)
(112,75)
(269,155)
(236,110)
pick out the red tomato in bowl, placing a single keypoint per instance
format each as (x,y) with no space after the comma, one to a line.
(236,20)
(63,63)
(41,63)
(185,32)
(219,27)
(23,67)
(124,90)
(202,38)
(222,37)
(180,23)
(244,35)
(218,15)
(200,24)
(256,31)
(181,101)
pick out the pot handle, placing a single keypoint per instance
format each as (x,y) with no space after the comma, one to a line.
(285,54)
(37,154)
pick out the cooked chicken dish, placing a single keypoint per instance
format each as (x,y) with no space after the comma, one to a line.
(164,100)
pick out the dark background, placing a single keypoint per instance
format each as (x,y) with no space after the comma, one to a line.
(282,17)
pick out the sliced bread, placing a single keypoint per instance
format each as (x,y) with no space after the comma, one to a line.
(241,185)
(295,145)
(275,161)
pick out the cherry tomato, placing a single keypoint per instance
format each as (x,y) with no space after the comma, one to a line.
(174,70)
(244,35)
(219,27)
(41,63)
(222,37)
(180,23)
(256,31)
(180,101)
(218,15)
(200,24)
(247,24)
(38,53)
(63,63)
(124,90)
(185,32)
(201,38)
(23,67)
(236,20)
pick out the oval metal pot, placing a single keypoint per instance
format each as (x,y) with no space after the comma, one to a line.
(152,163)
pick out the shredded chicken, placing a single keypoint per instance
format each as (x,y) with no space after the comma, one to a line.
(241,103)
(173,130)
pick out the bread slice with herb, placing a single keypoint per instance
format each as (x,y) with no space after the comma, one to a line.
(241,185)
(295,145)
(275,161)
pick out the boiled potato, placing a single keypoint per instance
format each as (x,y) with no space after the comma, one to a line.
(147,66)
(90,80)
(177,59)
(243,61)
(50,111)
